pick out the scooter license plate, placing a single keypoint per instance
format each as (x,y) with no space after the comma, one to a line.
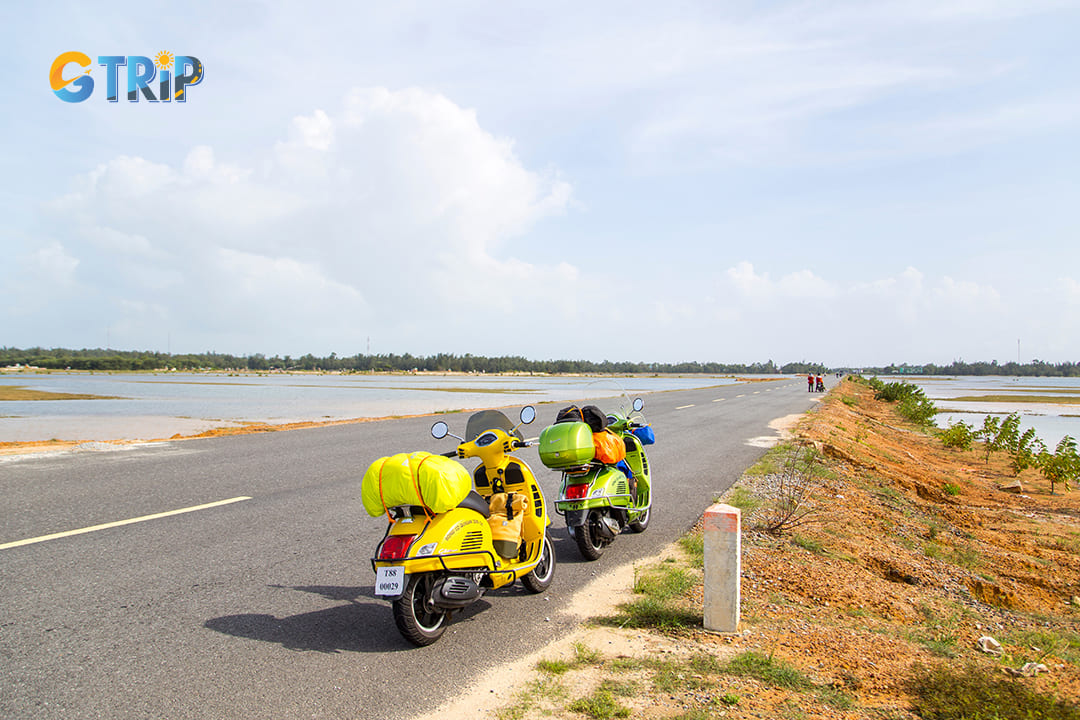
(389,581)
(571,505)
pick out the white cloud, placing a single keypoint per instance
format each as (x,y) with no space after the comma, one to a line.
(908,316)
(399,206)
(1068,290)
(966,295)
(316,132)
(748,282)
(53,265)
(801,284)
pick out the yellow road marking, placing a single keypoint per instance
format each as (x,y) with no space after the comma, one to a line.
(118,523)
(718,399)
(683,407)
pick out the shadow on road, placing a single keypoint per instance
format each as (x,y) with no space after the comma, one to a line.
(566,550)
(361,625)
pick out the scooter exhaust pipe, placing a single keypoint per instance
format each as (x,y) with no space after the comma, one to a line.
(609,527)
(454,593)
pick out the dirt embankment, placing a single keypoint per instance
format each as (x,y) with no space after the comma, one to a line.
(914,553)
(911,554)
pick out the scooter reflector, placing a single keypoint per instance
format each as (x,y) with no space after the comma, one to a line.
(577,492)
(396,547)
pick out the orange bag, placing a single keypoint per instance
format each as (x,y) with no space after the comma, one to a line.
(609,447)
(506,524)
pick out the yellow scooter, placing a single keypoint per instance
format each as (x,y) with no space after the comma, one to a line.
(430,565)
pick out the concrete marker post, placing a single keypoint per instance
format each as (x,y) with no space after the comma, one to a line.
(723,567)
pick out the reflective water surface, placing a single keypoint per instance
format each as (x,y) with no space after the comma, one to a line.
(1050,405)
(150,406)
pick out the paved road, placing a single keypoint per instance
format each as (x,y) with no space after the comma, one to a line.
(263,608)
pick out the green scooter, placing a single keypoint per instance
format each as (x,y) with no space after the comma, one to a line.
(599,495)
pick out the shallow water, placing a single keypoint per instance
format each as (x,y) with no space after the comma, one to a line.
(1051,420)
(161,405)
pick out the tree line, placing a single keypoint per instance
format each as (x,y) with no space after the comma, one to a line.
(128,360)
(1035,368)
(124,360)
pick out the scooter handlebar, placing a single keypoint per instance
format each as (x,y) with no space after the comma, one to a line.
(451,453)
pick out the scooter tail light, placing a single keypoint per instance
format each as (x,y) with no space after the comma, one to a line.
(577,492)
(396,547)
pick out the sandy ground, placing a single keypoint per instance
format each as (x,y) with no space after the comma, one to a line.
(600,597)
(57,446)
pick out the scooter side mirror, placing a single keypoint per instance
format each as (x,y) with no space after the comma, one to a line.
(440,430)
(638,404)
(528,414)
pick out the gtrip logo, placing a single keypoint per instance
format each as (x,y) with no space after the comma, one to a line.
(173,76)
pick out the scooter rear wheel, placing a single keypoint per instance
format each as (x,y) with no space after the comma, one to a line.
(540,578)
(416,620)
(590,542)
(642,522)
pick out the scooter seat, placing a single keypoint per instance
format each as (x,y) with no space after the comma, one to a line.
(475,501)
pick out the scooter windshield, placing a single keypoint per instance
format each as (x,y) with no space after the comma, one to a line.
(611,397)
(489,420)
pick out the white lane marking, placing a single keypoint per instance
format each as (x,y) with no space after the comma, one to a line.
(757,392)
(718,400)
(739,396)
(118,523)
(683,407)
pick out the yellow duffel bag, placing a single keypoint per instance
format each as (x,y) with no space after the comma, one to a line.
(434,482)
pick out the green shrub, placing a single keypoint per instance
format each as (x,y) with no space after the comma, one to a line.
(774,672)
(600,705)
(693,543)
(989,433)
(1063,466)
(649,612)
(806,543)
(896,391)
(662,582)
(918,409)
(912,402)
(969,693)
(959,436)
(554,667)
(743,499)
(1009,432)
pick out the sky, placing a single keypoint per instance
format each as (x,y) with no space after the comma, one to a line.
(852,183)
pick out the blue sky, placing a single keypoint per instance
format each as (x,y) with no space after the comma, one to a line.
(845,182)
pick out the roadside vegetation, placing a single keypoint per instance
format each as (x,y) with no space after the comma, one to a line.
(885,577)
(1025,449)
